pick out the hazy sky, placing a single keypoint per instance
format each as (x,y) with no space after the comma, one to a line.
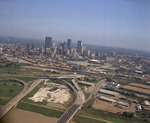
(119,23)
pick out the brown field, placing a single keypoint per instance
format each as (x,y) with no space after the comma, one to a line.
(136,89)
(140,85)
(110,107)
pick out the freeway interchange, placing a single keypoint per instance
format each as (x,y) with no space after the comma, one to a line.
(68,115)
(80,100)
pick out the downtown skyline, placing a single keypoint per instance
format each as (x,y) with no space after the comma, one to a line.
(121,23)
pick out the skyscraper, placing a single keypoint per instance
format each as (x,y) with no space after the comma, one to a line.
(79,46)
(69,43)
(48,42)
(28,46)
(32,46)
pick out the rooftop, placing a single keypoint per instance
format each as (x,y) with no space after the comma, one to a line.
(109,92)
(107,99)
(123,103)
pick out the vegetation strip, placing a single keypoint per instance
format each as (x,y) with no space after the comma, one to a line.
(44,106)
(91,117)
(80,119)
(40,109)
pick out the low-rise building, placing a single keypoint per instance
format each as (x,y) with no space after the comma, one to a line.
(107,99)
(107,92)
(123,103)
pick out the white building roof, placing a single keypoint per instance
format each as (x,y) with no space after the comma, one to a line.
(109,92)
(123,103)
(107,99)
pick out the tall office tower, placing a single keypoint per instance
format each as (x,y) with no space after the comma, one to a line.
(32,46)
(48,42)
(69,43)
(28,46)
(79,46)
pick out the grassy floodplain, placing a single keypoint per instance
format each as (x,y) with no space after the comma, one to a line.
(8,90)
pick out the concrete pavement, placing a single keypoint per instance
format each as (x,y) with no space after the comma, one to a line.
(67,116)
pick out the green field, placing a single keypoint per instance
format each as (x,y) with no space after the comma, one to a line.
(9,90)
(80,119)
(26,79)
(10,68)
(86,95)
(31,94)
(4,101)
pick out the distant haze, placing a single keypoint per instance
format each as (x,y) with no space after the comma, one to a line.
(118,23)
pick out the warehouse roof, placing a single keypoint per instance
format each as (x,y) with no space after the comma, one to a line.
(123,103)
(109,92)
(107,99)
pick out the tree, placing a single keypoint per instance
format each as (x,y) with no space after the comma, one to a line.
(128,114)
(11,90)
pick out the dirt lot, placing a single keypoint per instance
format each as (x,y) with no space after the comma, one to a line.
(110,107)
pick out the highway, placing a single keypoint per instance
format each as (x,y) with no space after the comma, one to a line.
(70,76)
(16,99)
(95,88)
(80,98)
(36,83)
(67,116)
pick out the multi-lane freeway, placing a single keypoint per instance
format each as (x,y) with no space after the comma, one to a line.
(67,116)
(95,88)
(36,83)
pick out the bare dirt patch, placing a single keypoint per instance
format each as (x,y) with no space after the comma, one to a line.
(112,107)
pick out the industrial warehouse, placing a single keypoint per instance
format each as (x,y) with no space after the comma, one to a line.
(107,99)
(110,93)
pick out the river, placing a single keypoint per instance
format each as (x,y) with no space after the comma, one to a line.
(22,116)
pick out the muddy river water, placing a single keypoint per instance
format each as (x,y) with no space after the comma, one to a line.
(22,116)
